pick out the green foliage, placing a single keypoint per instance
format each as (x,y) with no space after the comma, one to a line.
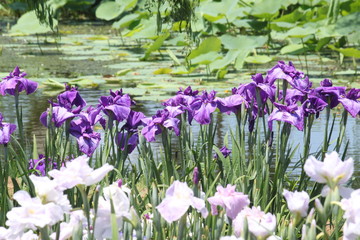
(30,24)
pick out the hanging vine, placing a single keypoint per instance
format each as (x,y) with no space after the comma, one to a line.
(181,11)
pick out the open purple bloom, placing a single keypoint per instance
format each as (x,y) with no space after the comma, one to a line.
(228,198)
(130,141)
(202,107)
(225,152)
(87,139)
(329,93)
(182,98)
(286,72)
(116,106)
(70,98)
(59,116)
(292,96)
(351,102)
(292,114)
(313,105)
(265,85)
(6,129)
(39,165)
(15,83)
(232,103)
(133,121)
(163,118)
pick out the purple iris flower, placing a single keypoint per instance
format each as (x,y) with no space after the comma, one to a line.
(87,139)
(328,92)
(292,114)
(39,165)
(6,129)
(183,99)
(133,121)
(231,104)
(163,118)
(202,107)
(313,105)
(131,141)
(117,105)
(59,116)
(70,98)
(265,85)
(225,152)
(286,72)
(15,83)
(350,102)
(292,96)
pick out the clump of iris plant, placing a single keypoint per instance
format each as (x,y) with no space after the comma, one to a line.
(13,84)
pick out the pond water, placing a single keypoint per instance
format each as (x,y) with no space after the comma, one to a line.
(94,54)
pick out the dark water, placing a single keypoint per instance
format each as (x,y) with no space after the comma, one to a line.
(77,55)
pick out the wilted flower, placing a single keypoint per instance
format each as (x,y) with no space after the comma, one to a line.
(6,129)
(179,197)
(78,172)
(333,171)
(15,83)
(228,198)
(297,202)
(260,224)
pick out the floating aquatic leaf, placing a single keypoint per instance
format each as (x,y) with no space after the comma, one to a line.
(122,72)
(258,59)
(98,37)
(162,71)
(53,84)
(242,41)
(84,83)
